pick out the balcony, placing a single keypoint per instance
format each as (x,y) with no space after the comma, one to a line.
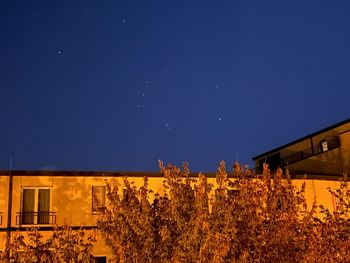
(36,218)
(323,146)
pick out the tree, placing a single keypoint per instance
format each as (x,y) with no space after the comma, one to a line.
(63,245)
(243,218)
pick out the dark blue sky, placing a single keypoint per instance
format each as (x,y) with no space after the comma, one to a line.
(117,85)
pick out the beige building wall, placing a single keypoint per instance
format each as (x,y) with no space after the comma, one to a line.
(71,198)
(317,190)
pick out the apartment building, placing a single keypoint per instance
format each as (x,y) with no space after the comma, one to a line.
(325,152)
(45,199)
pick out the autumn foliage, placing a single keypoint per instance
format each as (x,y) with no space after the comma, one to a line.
(63,245)
(243,218)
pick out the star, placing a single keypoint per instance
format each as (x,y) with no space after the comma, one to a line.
(124,21)
(220,118)
(60,52)
(167,126)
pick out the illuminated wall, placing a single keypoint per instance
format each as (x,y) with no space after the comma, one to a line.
(71,199)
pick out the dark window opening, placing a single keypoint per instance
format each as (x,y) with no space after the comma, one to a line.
(274,161)
(100,259)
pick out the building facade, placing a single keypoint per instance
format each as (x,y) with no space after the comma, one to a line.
(46,199)
(325,152)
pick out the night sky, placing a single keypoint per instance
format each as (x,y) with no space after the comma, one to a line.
(117,85)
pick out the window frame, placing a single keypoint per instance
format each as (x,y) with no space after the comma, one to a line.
(324,146)
(96,208)
(36,204)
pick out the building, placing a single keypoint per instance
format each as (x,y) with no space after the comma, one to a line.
(325,152)
(45,199)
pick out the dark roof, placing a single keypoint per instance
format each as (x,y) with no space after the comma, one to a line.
(297,174)
(301,139)
(89,173)
(78,173)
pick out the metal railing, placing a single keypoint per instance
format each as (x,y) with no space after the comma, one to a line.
(331,143)
(36,218)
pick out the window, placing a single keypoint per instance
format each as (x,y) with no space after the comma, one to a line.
(274,161)
(35,206)
(98,198)
(100,259)
(324,146)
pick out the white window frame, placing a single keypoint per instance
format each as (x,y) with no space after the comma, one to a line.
(324,146)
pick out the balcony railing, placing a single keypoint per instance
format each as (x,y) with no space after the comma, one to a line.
(327,145)
(36,218)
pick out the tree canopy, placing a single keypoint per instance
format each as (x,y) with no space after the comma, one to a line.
(62,245)
(243,217)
